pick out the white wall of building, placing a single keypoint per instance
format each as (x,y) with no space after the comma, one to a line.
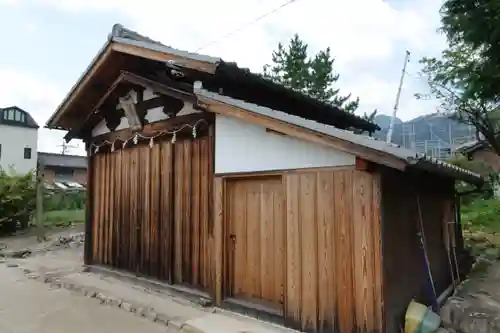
(243,147)
(13,140)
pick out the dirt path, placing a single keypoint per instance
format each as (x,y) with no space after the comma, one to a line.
(28,239)
(30,306)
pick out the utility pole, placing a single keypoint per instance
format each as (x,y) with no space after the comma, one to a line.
(39,202)
(65,147)
(396,104)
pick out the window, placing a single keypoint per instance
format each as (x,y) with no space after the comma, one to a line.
(27,153)
(14,115)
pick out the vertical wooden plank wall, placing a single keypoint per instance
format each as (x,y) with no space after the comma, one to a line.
(333,265)
(151,210)
(402,248)
(333,271)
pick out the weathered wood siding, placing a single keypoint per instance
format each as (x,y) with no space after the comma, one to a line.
(151,210)
(332,271)
(405,274)
(255,213)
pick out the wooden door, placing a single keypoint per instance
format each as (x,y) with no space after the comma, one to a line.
(255,239)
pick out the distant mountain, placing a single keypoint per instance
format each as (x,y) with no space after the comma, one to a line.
(384,121)
(425,132)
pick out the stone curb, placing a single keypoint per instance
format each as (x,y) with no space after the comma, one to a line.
(62,242)
(56,281)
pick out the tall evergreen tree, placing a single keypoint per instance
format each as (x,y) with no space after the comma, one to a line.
(314,76)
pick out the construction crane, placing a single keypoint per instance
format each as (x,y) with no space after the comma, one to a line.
(398,95)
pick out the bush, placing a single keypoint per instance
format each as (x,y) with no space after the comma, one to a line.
(63,200)
(17,200)
(482,214)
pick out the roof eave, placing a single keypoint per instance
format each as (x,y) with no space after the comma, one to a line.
(136,48)
(98,60)
(447,170)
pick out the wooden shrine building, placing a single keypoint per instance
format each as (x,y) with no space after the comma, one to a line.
(206,176)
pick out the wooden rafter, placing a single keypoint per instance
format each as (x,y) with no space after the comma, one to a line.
(158,88)
(162,56)
(150,129)
(127,77)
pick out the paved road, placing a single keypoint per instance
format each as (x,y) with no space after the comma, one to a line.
(28,306)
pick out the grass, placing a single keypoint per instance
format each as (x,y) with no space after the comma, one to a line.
(482,214)
(61,217)
(481,227)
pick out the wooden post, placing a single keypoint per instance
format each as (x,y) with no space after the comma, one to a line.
(89,208)
(39,203)
(218,202)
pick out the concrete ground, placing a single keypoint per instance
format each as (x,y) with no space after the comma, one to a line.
(30,306)
(49,290)
(475,306)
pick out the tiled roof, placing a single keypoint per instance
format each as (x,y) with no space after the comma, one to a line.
(471,146)
(122,35)
(227,72)
(30,122)
(67,161)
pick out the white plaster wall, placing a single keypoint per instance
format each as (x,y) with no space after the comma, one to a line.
(13,140)
(152,115)
(242,147)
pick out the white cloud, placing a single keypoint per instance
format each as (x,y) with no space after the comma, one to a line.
(367,37)
(359,32)
(39,98)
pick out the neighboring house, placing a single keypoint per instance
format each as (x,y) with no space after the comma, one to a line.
(480,151)
(63,168)
(196,179)
(18,140)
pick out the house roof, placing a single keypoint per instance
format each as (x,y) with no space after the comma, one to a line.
(30,122)
(65,161)
(217,72)
(471,146)
(409,157)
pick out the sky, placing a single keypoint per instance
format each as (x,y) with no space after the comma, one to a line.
(47,44)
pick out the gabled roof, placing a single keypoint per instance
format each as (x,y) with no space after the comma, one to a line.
(217,73)
(409,158)
(30,122)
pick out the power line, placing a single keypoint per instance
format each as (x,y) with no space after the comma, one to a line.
(246,25)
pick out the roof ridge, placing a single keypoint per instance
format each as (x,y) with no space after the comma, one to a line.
(119,31)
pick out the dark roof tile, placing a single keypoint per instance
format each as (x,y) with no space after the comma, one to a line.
(30,121)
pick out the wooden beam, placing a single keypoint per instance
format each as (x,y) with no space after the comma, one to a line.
(151,129)
(159,87)
(163,56)
(136,80)
(89,209)
(301,133)
(218,218)
(364,165)
(74,132)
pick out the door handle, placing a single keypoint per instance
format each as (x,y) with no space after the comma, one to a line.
(233,237)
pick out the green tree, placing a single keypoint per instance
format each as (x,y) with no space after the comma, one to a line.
(457,80)
(314,76)
(476,24)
